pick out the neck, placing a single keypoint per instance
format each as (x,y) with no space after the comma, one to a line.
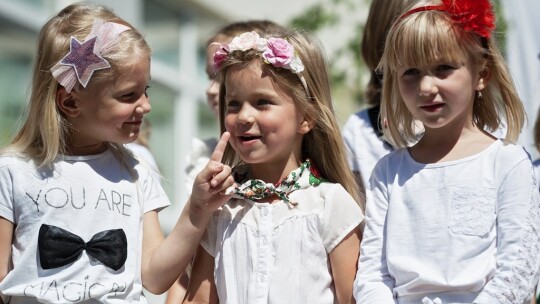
(436,147)
(274,172)
(75,149)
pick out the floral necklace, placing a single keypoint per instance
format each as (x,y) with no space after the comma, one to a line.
(255,189)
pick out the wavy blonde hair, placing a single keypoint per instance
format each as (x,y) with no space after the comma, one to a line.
(429,36)
(45,131)
(323,145)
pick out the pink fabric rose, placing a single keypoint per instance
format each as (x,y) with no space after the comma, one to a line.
(279,52)
(219,56)
(244,42)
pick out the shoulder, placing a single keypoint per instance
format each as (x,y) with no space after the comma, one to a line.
(357,120)
(333,193)
(14,160)
(395,157)
(509,154)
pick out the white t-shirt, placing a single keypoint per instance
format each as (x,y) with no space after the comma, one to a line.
(145,154)
(461,231)
(84,195)
(273,253)
(363,145)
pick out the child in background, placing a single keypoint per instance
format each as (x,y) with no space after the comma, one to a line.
(141,147)
(363,132)
(78,214)
(455,217)
(291,233)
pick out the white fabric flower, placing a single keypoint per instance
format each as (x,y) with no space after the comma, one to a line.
(244,42)
(296,65)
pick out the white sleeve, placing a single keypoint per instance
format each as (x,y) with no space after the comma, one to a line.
(6,194)
(349,136)
(518,238)
(341,215)
(373,283)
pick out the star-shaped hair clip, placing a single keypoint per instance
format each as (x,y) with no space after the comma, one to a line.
(84,59)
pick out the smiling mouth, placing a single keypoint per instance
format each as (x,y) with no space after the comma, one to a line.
(432,107)
(248,138)
(133,122)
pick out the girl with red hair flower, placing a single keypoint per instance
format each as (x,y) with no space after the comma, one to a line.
(453,218)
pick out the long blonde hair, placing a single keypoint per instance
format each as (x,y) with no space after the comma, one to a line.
(323,145)
(45,131)
(425,37)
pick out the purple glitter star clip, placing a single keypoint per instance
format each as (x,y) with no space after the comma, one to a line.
(84,59)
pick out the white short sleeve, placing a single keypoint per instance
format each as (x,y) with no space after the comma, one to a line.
(341,215)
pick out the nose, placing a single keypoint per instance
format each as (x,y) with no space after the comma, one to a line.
(144,106)
(213,89)
(245,115)
(427,85)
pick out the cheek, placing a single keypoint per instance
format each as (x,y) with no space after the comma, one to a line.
(229,121)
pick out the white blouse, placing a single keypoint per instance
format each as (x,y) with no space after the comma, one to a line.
(274,253)
(463,231)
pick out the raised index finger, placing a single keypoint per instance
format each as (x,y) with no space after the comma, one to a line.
(217,155)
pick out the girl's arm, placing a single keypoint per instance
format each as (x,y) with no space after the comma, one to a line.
(373,283)
(6,237)
(343,259)
(163,260)
(176,293)
(201,288)
(518,235)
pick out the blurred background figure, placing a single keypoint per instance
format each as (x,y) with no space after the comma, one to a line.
(141,146)
(363,131)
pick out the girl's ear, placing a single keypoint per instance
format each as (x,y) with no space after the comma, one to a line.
(305,126)
(67,103)
(483,80)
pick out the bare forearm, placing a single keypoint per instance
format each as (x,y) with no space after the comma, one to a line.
(170,258)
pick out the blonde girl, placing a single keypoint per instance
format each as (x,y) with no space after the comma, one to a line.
(78,213)
(455,217)
(290,234)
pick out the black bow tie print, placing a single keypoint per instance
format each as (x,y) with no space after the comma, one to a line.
(59,247)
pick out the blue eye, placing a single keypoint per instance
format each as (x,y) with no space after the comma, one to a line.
(263,102)
(444,68)
(411,72)
(233,103)
(232,106)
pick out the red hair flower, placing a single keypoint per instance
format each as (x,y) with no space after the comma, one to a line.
(472,15)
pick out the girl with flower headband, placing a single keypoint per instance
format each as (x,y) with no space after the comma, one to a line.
(290,233)
(78,213)
(455,217)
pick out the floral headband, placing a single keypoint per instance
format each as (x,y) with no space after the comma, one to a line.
(472,15)
(275,51)
(84,58)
